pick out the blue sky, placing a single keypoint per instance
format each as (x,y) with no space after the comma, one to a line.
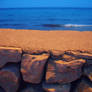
(45,3)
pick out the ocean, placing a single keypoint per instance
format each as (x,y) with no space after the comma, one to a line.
(47,18)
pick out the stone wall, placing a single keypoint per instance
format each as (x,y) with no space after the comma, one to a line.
(69,71)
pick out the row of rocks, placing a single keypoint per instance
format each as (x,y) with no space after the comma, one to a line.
(9,55)
(47,72)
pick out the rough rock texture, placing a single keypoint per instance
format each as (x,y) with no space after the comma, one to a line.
(84,86)
(56,87)
(66,57)
(9,78)
(32,67)
(81,54)
(8,54)
(59,71)
(56,54)
(88,71)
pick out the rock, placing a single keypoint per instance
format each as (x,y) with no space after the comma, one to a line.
(32,67)
(87,71)
(59,71)
(84,86)
(79,54)
(56,87)
(66,57)
(8,54)
(56,54)
(35,51)
(9,78)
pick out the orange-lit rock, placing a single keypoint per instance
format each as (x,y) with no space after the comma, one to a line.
(8,54)
(66,57)
(56,87)
(9,78)
(79,54)
(59,71)
(56,54)
(32,67)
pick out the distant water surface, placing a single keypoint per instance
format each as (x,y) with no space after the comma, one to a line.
(47,18)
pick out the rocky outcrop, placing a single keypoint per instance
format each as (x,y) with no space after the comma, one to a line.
(9,54)
(67,58)
(80,54)
(56,87)
(9,78)
(59,71)
(53,71)
(32,67)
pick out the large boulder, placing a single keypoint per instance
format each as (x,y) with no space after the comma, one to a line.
(9,78)
(32,67)
(83,86)
(8,54)
(59,71)
(56,87)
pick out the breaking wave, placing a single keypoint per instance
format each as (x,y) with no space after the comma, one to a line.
(65,25)
(75,25)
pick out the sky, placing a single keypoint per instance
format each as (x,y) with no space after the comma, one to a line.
(45,3)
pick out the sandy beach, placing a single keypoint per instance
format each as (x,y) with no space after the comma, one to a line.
(41,41)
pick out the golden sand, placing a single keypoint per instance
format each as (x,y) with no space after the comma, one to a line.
(36,40)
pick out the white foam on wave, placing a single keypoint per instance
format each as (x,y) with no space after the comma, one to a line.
(76,25)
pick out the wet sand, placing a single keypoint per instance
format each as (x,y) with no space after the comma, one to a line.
(41,41)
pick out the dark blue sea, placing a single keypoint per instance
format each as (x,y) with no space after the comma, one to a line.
(47,18)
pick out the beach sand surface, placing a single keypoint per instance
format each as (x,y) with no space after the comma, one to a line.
(41,41)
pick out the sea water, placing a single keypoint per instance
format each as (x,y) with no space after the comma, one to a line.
(47,18)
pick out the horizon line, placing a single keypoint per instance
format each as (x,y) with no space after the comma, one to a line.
(40,7)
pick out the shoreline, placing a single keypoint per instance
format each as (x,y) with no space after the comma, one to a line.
(44,30)
(45,41)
